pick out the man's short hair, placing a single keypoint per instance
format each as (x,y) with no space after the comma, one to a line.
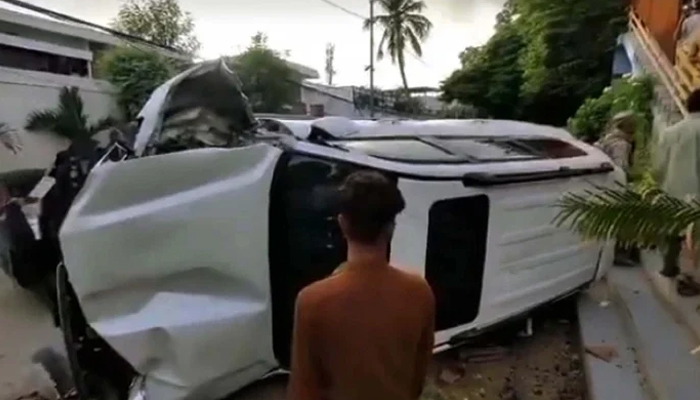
(370,202)
(693,101)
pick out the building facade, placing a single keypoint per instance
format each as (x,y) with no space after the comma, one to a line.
(38,57)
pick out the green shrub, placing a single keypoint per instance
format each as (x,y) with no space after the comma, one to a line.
(135,73)
(624,94)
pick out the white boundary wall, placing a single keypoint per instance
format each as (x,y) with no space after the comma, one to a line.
(22,92)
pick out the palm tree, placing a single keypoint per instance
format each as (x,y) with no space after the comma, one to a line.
(402,23)
(68,119)
(8,138)
(633,217)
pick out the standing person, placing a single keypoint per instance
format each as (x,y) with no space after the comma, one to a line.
(618,141)
(366,332)
(688,32)
(677,169)
(618,144)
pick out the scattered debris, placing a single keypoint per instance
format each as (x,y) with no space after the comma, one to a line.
(483,355)
(695,351)
(604,303)
(450,375)
(602,352)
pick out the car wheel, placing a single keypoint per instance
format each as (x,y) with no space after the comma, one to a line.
(88,385)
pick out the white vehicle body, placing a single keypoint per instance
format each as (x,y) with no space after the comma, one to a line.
(188,263)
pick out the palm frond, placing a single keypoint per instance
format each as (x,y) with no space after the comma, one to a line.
(415,42)
(413,6)
(70,107)
(44,120)
(420,25)
(631,217)
(8,138)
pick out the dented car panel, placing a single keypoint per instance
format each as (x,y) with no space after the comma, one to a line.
(167,258)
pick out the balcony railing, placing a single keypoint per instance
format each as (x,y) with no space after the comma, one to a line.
(679,79)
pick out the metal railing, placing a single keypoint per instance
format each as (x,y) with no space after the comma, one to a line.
(677,80)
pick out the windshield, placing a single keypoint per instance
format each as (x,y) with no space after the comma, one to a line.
(451,149)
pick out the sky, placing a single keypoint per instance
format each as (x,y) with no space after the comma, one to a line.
(305,27)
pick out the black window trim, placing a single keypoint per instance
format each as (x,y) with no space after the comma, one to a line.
(518,142)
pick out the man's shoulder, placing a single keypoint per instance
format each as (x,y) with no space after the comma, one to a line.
(318,291)
(416,283)
(682,129)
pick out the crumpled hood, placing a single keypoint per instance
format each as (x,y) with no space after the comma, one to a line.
(211,86)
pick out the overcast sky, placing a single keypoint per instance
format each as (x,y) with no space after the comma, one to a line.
(305,26)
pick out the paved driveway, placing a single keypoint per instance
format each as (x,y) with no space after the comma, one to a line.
(25,327)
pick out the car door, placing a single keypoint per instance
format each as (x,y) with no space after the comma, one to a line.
(168,256)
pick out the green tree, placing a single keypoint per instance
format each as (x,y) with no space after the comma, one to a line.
(135,74)
(159,21)
(404,26)
(68,119)
(491,77)
(558,54)
(269,82)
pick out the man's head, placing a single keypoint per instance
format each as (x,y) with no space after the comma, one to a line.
(692,103)
(369,204)
(625,122)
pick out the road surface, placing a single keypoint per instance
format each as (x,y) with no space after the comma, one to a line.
(25,327)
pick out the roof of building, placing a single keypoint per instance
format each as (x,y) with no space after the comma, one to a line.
(46,23)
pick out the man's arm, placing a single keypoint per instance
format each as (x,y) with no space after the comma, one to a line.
(425,345)
(304,380)
(660,158)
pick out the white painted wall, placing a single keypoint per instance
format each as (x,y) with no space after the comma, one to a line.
(337,101)
(22,92)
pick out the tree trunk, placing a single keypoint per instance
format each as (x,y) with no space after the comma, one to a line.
(402,69)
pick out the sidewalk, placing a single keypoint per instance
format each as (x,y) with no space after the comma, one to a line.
(26,326)
(649,332)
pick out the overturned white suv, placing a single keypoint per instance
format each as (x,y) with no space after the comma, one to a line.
(182,267)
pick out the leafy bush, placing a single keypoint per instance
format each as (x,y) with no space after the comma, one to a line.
(633,94)
(625,94)
(135,73)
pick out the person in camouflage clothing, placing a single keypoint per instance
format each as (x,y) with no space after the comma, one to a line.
(618,142)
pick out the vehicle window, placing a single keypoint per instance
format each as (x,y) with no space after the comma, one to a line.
(456,149)
(306,243)
(486,150)
(455,257)
(552,148)
(411,150)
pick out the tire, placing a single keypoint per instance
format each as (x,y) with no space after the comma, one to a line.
(64,299)
(88,385)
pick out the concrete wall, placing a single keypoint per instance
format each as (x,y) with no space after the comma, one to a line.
(336,101)
(22,92)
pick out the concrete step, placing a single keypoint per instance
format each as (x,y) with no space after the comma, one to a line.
(653,345)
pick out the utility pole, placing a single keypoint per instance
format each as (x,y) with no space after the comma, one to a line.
(371,59)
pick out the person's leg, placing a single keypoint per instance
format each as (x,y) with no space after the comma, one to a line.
(623,257)
(671,267)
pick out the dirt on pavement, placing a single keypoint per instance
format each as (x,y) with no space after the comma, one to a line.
(497,366)
(545,366)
